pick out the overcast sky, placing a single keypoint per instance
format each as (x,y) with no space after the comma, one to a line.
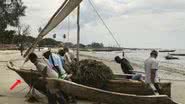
(135,23)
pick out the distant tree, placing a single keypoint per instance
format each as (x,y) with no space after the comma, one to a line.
(49,42)
(80,45)
(23,31)
(68,44)
(24,37)
(96,45)
(10,11)
(7,37)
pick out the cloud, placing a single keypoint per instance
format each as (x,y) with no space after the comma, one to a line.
(136,23)
(155,6)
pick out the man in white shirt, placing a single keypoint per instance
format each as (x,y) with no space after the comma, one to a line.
(151,68)
(42,66)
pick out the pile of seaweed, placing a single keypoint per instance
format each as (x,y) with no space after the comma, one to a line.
(91,73)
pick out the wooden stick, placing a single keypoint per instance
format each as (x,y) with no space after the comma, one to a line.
(78,32)
(155,91)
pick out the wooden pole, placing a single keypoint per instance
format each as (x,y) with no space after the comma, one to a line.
(78,32)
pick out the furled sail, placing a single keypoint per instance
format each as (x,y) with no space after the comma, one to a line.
(67,7)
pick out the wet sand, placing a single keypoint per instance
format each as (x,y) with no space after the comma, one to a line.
(17,96)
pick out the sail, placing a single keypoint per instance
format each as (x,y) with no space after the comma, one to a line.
(58,17)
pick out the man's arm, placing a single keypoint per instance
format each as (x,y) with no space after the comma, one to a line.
(44,73)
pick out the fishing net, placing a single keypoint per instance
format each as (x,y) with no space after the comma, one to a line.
(91,73)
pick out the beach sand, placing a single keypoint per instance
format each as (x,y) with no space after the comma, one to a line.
(17,96)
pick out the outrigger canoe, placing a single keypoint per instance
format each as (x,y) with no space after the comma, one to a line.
(118,91)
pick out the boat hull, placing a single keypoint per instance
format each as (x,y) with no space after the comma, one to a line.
(99,95)
(114,92)
(136,87)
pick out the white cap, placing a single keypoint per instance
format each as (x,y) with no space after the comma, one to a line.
(45,50)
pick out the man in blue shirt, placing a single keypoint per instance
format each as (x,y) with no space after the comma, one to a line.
(56,64)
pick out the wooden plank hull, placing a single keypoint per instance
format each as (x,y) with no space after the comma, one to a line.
(98,95)
(136,87)
(32,78)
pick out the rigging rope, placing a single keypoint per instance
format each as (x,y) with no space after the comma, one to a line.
(110,32)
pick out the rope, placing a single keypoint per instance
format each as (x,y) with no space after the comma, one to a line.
(110,32)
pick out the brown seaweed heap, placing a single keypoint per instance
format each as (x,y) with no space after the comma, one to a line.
(91,73)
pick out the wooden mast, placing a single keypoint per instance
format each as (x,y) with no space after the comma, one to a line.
(78,33)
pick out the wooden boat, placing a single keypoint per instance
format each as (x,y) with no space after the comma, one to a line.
(105,96)
(178,54)
(31,77)
(117,91)
(111,94)
(170,57)
(167,50)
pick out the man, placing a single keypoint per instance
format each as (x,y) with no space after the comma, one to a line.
(125,65)
(127,68)
(66,65)
(151,67)
(46,71)
(68,56)
(61,53)
(55,63)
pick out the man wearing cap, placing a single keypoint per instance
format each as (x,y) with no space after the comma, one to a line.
(56,64)
(151,68)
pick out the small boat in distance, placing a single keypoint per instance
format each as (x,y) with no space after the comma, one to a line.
(170,57)
(177,54)
(167,50)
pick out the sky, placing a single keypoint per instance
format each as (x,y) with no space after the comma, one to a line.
(134,23)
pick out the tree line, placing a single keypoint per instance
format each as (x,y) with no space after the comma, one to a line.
(92,45)
(10,13)
(11,38)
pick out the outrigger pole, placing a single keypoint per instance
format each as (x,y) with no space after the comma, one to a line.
(78,33)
